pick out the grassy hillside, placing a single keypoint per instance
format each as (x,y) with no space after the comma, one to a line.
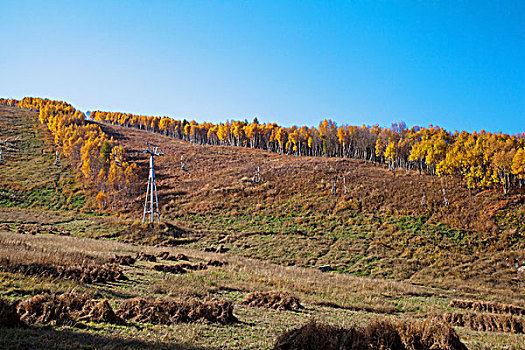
(394,259)
(29,177)
(379,228)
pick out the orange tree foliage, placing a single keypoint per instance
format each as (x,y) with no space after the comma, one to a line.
(482,160)
(100,162)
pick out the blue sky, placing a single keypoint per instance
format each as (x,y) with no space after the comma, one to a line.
(457,64)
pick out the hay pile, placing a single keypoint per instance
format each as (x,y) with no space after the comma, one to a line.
(273,300)
(220,249)
(36,229)
(384,335)
(8,315)
(67,308)
(169,311)
(163,255)
(487,306)
(193,267)
(167,256)
(84,274)
(126,260)
(216,263)
(145,257)
(486,323)
(177,269)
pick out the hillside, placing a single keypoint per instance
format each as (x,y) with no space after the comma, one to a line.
(379,228)
(394,258)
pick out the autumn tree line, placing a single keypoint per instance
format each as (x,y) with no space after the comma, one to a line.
(481,159)
(100,162)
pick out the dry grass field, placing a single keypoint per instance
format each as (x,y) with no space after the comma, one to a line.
(226,241)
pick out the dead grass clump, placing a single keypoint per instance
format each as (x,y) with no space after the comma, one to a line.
(169,268)
(216,263)
(67,308)
(8,315)
(163,255)
(431,333)
(51,308)
(193,267)
(99,311)
(126,260)
(167,256)
(273,300)
(486,323)
(181,256)
(220,249)
(487,306)
(377,334)
(168,311)
(84,274)
(313,336)
(37,229)
(146,257)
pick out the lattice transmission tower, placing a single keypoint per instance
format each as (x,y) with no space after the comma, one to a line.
(151,192)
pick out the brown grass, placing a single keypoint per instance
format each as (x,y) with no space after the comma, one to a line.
(377,334)
(168,311)
(169,268)
(8,315)
(145,257)
(488,306)
(84,274)
(273,300)
(126,260)
(67,308)
(486,323)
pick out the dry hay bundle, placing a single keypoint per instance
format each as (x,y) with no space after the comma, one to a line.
(220,249)
(193,267)
(431,333)
(84,274)
(486,323)
(167,256)
(99,311)
(487,306)
(8,315)
(126,260)
(163,255)
(384,335)
(67,308)
(273,300)
(168,311)
(169,268)
(216,263)
(145,257)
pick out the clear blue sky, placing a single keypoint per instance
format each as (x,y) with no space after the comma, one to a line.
(457,64)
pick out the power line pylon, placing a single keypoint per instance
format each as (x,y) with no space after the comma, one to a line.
(57,159)
(153,151)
